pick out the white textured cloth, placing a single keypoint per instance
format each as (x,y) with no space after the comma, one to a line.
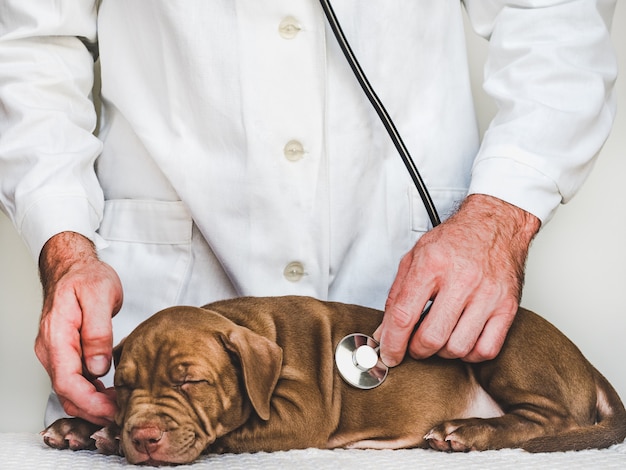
(27,451)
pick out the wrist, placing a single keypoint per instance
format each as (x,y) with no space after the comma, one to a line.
(508,219)
(60,253)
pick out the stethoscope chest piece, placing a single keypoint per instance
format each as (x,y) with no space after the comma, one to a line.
(358,361)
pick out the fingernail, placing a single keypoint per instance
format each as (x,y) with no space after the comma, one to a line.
(98,365)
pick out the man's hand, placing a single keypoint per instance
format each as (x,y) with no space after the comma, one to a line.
(472,267)
(74,344)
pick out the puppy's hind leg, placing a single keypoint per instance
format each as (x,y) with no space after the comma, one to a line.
(464,435)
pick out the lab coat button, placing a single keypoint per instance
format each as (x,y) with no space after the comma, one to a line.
(289,28)
(293,151)
(294,271)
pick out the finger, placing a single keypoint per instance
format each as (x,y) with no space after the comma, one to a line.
(59,348)
(397,287)
(386,334)
(405,303)
(97,333)
(377,333)
(437,327)
(467,330)
(112,394)
(98,408)
(396,330)
(101,388)
(399,323)
(79,396)
(491,340)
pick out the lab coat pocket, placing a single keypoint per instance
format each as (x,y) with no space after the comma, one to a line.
(148,243)
(446,201)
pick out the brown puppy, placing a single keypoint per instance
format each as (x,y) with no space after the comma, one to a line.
(258,374)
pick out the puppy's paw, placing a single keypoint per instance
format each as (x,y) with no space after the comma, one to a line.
(70,433)
(107,440)
(461,435)
(442,438)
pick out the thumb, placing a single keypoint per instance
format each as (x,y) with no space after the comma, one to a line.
(96,334)
(97,343)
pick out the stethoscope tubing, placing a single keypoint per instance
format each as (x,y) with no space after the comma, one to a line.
(382,113)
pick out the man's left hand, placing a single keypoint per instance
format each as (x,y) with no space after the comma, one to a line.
(472,267)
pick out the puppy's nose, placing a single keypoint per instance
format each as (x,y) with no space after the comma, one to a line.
(146,439)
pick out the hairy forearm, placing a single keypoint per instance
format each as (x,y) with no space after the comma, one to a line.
(60,254)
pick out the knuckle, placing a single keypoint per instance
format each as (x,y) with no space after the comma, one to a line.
(457,350)
(486,352)
(491,289)
(435,261)
(406,260)
(509,306)
(400,316)
(70,408)
(432,342)
(62,390)
(97,338)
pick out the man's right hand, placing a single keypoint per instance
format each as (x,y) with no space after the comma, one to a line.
(75,340)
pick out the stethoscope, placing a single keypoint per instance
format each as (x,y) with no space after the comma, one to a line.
(357,355)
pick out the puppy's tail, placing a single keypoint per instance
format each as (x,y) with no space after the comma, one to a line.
(609,428)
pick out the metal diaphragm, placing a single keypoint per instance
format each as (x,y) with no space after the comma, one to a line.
(358,361)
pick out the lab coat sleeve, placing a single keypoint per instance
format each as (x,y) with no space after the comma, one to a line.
(551,70)
(47,118)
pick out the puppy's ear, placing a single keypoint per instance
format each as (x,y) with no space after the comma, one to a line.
(117,352)
(261,362)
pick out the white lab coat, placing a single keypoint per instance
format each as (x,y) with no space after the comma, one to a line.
(237,155)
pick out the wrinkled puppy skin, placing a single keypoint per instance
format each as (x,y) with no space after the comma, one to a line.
(186,378)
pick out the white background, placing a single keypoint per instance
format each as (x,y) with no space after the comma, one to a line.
(576,274)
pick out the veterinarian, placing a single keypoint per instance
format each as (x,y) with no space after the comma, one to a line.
(236,155)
